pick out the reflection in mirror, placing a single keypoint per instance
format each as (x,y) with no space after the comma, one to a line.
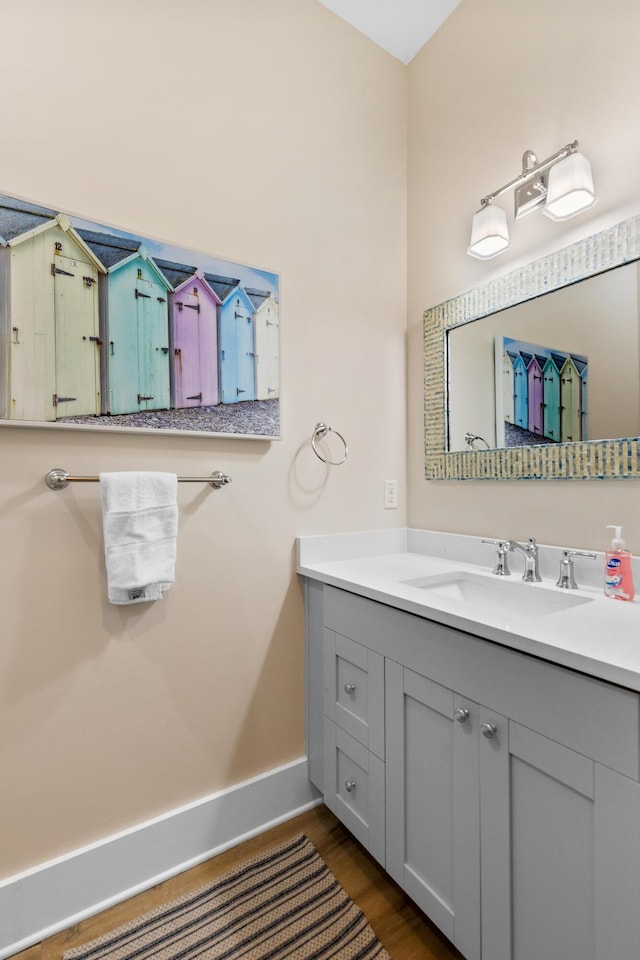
(571,316)
(559,368)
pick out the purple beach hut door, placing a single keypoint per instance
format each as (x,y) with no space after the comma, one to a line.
(195,339)
(186,318)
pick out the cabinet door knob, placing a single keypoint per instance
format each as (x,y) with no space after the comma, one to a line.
(349,785)
(461,714)
(349,687)
(488,730)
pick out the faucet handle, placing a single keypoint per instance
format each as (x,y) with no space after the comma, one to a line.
(501,568)
(566,579)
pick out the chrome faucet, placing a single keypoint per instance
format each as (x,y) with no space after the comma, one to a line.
(530,553)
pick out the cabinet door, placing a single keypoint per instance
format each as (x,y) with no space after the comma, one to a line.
(558,877)
(432,803)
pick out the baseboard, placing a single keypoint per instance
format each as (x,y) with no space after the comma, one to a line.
(55,895)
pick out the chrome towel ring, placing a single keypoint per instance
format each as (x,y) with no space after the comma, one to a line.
(320,432)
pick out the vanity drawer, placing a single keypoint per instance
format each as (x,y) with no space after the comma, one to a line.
(355,788)
(354,690)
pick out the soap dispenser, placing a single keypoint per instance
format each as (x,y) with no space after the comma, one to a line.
(618,577)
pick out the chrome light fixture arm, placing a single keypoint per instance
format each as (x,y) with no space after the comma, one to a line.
(529,172)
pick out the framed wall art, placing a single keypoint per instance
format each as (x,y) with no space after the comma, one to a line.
(108,330)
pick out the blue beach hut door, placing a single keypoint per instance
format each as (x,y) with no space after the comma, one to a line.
(153,345)
(237,352)
(520,394)
(246,357)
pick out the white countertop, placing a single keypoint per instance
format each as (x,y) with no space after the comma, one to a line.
(600,637)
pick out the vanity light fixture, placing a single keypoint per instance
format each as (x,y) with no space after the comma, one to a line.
(562,184)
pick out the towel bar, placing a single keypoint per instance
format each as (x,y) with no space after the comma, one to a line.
(58,479)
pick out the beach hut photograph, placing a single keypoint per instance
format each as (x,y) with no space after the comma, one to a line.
(50,342)
(105,328)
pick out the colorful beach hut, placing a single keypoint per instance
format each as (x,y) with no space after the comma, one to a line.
(267,340)
(49,324)
(236,340)
(583,370)
(570,402)
(534,387)
(508,358)
(520,392)
(551,396)
(194,321)
(135,323)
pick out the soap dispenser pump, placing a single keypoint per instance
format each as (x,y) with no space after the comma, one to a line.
(618,576)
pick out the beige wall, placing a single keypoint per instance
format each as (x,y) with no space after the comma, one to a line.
(296,162)
(293,159)
(500,77)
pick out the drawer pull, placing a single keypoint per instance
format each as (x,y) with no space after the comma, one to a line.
(488,730)
(461,715)
(349,785)
(349,687)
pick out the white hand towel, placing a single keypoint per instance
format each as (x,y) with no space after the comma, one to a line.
(140,524)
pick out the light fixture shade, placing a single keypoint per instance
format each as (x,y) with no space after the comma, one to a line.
(489,233)
(569,188)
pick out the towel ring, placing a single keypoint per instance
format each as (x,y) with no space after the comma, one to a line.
(320,432)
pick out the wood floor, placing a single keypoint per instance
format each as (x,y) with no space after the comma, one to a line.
(399,925)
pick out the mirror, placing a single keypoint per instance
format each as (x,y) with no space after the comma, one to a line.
(519,371)
(541,371)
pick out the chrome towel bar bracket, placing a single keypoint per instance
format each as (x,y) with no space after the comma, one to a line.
(58,479)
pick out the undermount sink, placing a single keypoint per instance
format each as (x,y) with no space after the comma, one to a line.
(507,596)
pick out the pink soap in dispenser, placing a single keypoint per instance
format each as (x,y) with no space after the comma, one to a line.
(618,577)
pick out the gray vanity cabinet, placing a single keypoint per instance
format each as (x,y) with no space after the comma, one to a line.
(503,794)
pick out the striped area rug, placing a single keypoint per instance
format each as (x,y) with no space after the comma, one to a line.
(284,904)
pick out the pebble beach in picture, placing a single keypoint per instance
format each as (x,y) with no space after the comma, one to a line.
(106,329)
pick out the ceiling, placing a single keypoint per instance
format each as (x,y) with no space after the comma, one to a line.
(402,27)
